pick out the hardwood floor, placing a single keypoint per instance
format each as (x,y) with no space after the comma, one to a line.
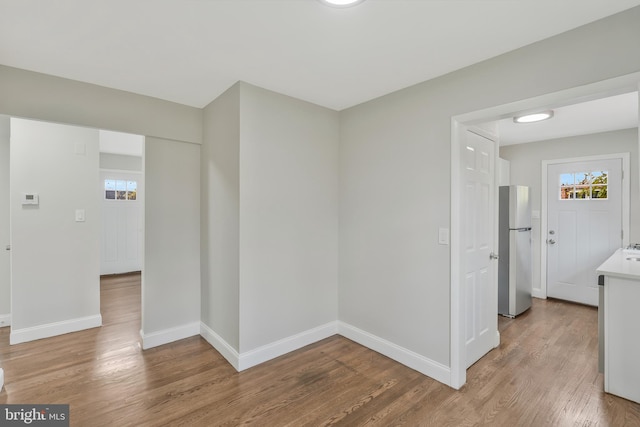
(543,374)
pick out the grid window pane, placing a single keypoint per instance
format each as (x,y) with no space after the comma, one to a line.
(584,185)
(120,189)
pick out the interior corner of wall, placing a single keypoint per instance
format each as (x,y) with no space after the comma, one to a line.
(223,347)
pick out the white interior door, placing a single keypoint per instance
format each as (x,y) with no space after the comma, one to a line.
(584,225)
(481,305)
(122,195)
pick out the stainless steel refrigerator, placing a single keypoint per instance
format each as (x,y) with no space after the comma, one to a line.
(514,262)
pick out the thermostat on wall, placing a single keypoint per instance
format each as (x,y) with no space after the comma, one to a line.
(30,199)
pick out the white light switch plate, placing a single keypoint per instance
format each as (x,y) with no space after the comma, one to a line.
(443,236)
(79,215)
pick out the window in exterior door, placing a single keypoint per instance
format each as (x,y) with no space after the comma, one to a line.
(120,189)
(584,185)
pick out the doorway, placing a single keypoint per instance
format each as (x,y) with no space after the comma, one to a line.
(121,190)
(458,313)
(55,229)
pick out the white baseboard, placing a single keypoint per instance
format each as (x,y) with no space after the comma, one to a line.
(18,336)
(267,352)
(223,347)
(537,293)
(428,367)
(5,320)
(166,336)
(278,348)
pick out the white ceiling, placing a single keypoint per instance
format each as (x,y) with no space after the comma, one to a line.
(190,51)
(600,115)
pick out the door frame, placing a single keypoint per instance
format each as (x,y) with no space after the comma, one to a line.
(626,197)
(601,89)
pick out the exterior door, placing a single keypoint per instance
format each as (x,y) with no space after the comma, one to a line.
(481,296)
(122,210)
(584,222)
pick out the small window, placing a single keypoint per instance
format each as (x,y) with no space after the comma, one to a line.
(584,185)
(120,189)
(110,189)
(132,189)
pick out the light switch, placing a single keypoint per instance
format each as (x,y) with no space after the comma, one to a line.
(79,215)
(443,236)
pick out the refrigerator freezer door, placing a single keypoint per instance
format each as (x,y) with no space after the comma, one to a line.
(519,207)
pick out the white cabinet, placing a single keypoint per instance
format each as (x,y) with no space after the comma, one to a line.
(621,326)
(621,332)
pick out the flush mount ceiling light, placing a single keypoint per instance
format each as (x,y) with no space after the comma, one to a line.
(341,3)
(535,117)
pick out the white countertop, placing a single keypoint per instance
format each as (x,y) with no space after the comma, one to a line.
(617,265)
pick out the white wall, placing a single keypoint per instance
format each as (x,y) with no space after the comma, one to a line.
(120,162)
(40,96)
(394,277)
(395,177)
(221,217)
(270,185)
(121,143)
(504,172)
(55,259)
(526,163)
(171,271)
(5,279)
(288,217)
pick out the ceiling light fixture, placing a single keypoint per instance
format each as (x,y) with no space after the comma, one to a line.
(341,3)
(535,117)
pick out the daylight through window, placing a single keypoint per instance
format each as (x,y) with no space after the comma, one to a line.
(120,189)
(584,185)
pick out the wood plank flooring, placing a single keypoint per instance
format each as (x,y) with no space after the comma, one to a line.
(543,374)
